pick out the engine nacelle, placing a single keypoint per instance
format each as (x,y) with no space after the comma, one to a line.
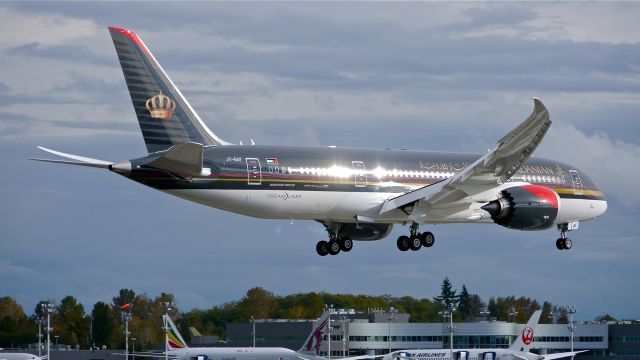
(526,207)
(366,231)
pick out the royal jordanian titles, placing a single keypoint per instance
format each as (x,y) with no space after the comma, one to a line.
(357,194)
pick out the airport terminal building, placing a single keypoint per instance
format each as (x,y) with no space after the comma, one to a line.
(377,331)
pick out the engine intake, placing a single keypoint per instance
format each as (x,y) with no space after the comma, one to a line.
(527,207)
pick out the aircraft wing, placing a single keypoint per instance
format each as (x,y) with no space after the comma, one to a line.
(146,354)
(491,170)
(562,355)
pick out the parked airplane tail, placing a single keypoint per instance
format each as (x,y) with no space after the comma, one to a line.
(312,345)
(174,339)
(524,341)
(165,116)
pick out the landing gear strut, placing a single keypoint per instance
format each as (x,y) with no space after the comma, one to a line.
(336,242)
(415,240)
(563,242)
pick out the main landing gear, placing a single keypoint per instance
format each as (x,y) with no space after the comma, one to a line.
(336,242)
(563,242)
(415,240)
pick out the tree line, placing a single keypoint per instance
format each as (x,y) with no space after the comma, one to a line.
(104,325)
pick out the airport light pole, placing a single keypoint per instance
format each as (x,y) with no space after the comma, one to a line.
(484,312)
(329,308)
(39,335)
(126,316)
(392,311)
(571,309)
(253,330)
(512,314)
(57,336)
(48,308)
(553,315)
(449,312)
(344,339)
(133,348)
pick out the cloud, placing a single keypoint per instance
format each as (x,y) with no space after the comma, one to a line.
(45,28)
(614,165)
(595,22)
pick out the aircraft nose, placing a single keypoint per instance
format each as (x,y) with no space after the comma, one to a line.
(600,207)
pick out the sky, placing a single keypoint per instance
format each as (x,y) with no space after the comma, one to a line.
(423,76)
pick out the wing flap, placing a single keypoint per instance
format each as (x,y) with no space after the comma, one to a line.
(563,355)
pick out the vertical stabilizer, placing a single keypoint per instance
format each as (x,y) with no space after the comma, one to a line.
(165,116)
(174,339)
(312,345)
(524,341)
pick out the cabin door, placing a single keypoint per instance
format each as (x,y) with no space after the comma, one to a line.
(577,182)
(254,173)
(359,174)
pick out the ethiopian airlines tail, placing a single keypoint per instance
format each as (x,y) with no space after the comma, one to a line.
(174,339)
(524,341)
(165,116)
(311,347)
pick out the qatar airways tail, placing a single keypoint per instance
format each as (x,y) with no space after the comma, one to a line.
(519,350)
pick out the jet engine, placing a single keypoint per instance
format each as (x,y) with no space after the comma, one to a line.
(366,231)
(526,207)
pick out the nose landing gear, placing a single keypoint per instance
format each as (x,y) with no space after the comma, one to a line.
(563,242)
(415,240)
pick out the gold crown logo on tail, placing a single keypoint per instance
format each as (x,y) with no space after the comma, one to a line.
(160,106)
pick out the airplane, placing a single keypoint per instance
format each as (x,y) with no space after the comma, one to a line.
(177,348)
(357,194)
(519,350)
(19,356)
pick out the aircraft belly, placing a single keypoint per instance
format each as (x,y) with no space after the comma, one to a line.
(309,205)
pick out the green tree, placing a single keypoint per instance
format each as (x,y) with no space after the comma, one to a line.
(448,297)
(103,324)
(125,296)
(604,318)
(547,313)
(10,308)
(72,323)
(259,303)
(15,328)
(464,304)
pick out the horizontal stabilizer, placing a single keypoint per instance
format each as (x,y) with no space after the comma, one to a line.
(76,159)
(67,162)
(185,159)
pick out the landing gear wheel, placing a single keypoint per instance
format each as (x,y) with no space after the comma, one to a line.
(403,243)
(414,243)
(322,248)
(334,247)
(560,244)
(427,239)
(346,244)
(567,244)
